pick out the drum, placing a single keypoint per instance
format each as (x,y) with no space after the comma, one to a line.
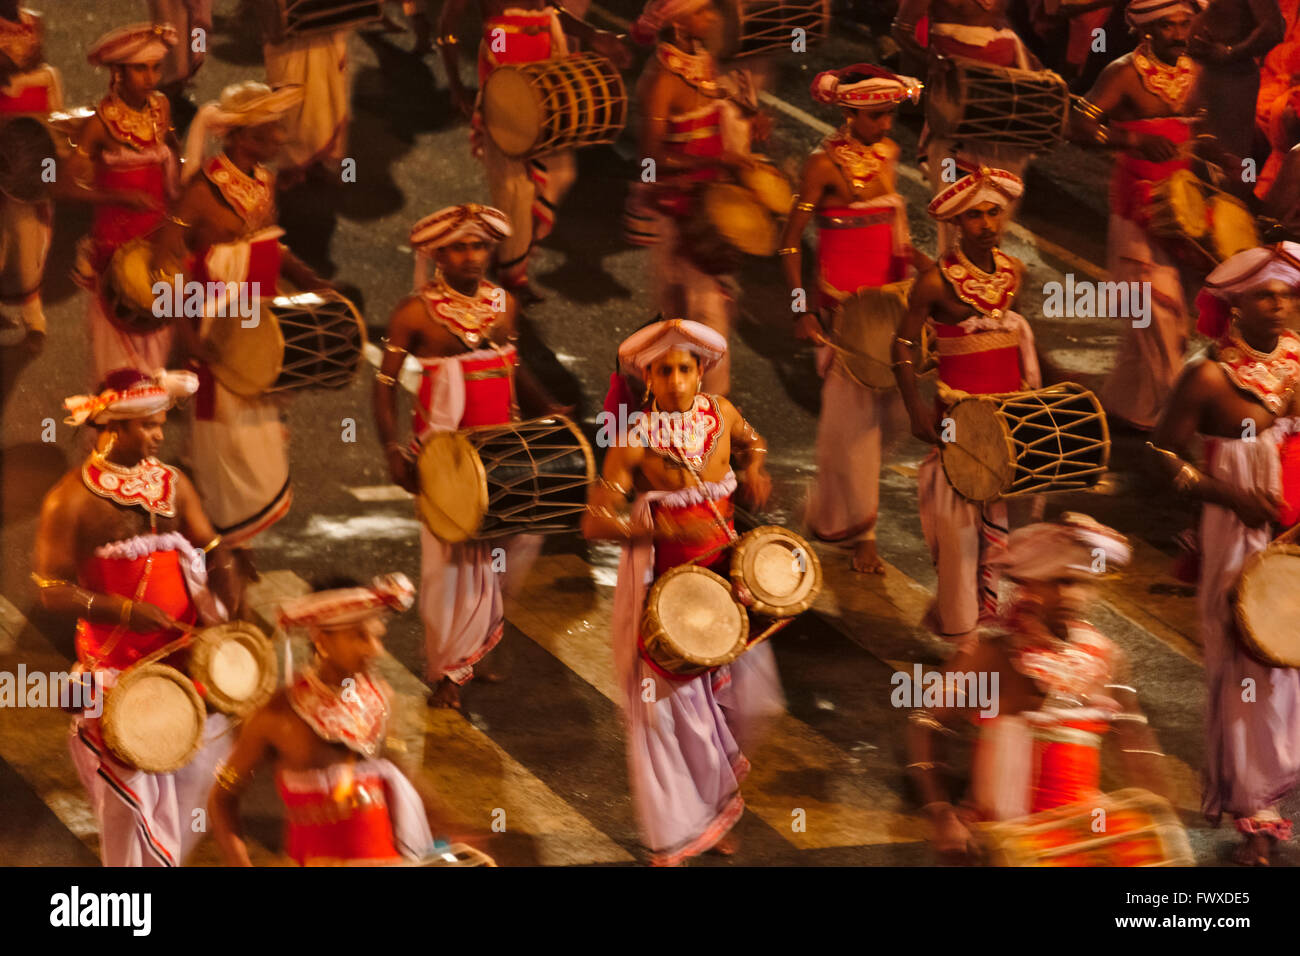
(1025,443)
(233,665)
(692,623)
(300,18)
(779,569)
(1177,209)
(767,26)
(1232,227)
(864,327)
(563,103)
(498,480)
(739,218)
(308,340)
(1266,602)
(769,187)
(153,718)
(1140,829)
(25,145)
(126,286)
(979,102)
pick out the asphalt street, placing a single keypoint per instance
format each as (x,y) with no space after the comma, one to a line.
(546,745)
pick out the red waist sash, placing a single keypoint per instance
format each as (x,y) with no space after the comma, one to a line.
(1069,770)
(32,99)
(114,225)
(980,371)
(855,248)
(1289,449)
(487,390)
(1133,179)
(356,828)
(113,645)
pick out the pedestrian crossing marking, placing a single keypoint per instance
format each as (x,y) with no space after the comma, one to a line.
(795,768)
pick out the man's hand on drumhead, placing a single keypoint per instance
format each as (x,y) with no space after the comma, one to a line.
(809,329)
(1256,507)
(150,617)
(923,429)
(402,472)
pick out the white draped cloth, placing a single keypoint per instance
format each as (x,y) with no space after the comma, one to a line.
(317,128)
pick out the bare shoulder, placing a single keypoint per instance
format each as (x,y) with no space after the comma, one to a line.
(67,496)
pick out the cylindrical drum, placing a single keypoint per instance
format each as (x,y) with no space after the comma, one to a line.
(691,622)
(773,26)
(779,569)
(498,480)
(1025,443)
(536,108)
(1003,106)
(1266,602)
(233,665)
(153,718)
(864,327)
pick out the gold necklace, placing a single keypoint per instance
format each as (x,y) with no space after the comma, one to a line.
(1170,83)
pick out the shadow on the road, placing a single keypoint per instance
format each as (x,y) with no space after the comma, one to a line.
(29,470)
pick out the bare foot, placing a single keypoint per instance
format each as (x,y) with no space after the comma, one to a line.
(1255,850)
(866,560)
(446,694)
(728,845)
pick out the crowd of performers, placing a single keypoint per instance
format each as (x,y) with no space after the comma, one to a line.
(136,552)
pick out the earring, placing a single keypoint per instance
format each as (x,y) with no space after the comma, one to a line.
(112,440)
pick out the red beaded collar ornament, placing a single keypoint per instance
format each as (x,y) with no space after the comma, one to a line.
(990,293)
(139,129)
(688,436)
(250,196)
(1269,376)
(697,69)
(859,162)
(1170,83)
(150,484)
(355,716)
(468,317)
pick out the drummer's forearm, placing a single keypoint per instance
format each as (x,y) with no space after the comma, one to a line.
(298,272)
(225,580)
(71,600)
(532,393)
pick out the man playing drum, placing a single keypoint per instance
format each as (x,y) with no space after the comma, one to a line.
(132,148)
(132,533)
(976,30)
(30,87)
(1060,688)
(1149,97)
(684,734)
(225,229)
(863,243)
(346,804)
(529,190)
(1242,398)
(696,133)
(461,329)
(984,347)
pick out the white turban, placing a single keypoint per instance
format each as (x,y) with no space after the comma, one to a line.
(878,88)
(984,185)
(137,43)
(1071,547)
(242,104)
(1140,12)
(640,349)
(144,396)
(342,606)
(1245,271)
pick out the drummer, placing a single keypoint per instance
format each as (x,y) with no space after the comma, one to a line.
(979,31)
(126,164)
(848,183)
(28,87)
(528,191)
(695,132)
(984,347)
(1249,378)
(225,228)
(1059,688)
(460,328)
(132,533)
(345,802)
(1143,106)
(685,735)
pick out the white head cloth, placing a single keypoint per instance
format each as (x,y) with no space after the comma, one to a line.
(451,224)
(1140,12)
(243,104)
(984,185)
(1070,547)
(342,606)
(641,348)
(143,397)
(137,43)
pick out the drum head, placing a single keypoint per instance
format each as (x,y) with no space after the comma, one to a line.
(512,111)
(1267,605)
(1187,203)
(127,287)
(153,719)
(697,617)
(865,325)
(235,666)
(980,459)
(740,220)
(453,494)
(781,571)
(249,359)
(769,187)
(1232,227)
(324,340)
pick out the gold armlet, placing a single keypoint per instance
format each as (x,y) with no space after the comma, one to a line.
(43,582)
(228,780)
(924,719)
(622,522)
(212,544)
(788,251)
(124,614)
(446,39)
(388,381)
(1135,718)
(925,765)
(395,349)
(180,222)
(805,206)
(613,486)
(906,343)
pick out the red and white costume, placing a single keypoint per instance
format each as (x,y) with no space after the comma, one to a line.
(685,762)
(1148,359)
(144,819)
(25,227)
(989,353)
(862,245)
(529,190)
(362,812)
(461,596)
(1253,747)
(137,158)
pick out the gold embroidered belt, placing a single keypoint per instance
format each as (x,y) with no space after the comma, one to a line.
(363,797)
(479,375)
(855,222)
(978,342)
